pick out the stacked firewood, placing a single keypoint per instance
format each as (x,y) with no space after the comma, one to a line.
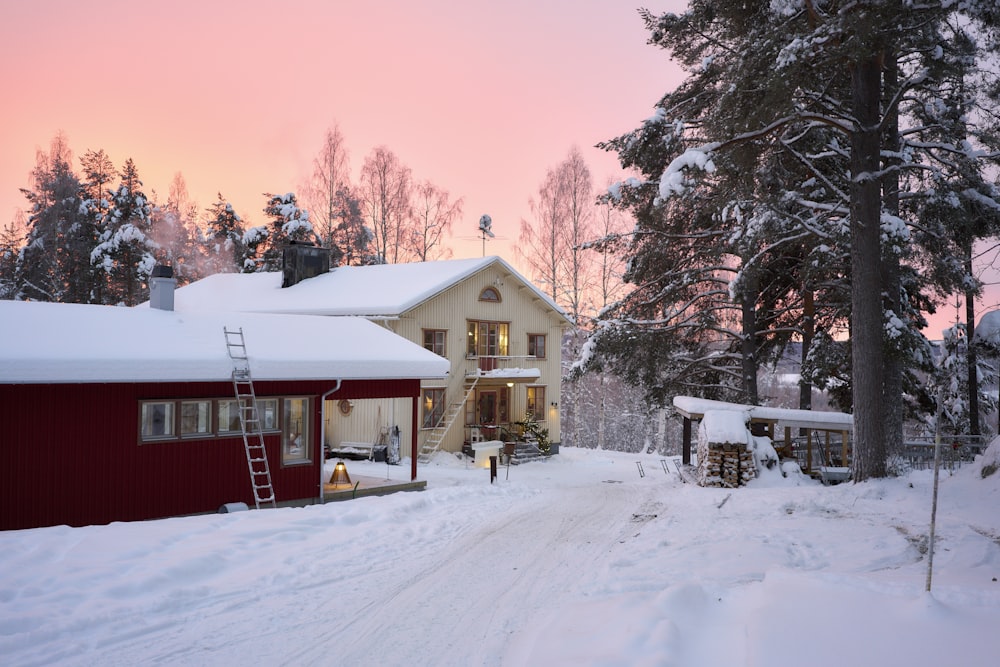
(725,464)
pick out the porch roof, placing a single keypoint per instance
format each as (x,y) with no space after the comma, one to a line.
(500,375)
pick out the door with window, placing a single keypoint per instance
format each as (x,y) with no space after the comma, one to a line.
(487,416)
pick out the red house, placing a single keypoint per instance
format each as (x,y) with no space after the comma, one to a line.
(123,414)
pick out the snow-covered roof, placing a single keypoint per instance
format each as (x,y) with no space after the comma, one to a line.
(725,426)
(57,342)
(512,373)
(689,406)
(384,290)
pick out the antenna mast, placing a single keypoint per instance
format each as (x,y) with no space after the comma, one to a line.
(485,223)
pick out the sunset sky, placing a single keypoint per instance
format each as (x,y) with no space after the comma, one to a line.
(480,98)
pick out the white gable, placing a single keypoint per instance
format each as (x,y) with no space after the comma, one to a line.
(56,342)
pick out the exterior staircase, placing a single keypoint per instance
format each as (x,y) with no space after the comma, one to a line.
(432,442)
(525,452)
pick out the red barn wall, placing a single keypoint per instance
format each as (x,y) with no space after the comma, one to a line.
(70,453)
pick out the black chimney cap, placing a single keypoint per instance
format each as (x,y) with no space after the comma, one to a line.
(162,271)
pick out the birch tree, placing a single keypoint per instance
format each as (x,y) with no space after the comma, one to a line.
(386,191)
(433,216)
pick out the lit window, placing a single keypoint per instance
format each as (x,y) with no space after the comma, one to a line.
(196,418)
(434,340)
(487,339)
(536,345)
(295,441)
(433,407)
(535,404)
(490,294)
(157,420)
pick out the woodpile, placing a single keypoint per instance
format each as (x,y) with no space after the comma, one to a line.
(724,456)
(726,465)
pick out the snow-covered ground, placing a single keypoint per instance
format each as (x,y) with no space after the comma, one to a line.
(572,561)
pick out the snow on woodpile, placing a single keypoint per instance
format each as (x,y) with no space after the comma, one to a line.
(724,457)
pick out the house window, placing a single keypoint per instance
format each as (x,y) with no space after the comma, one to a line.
(490,294)
(156,420)
(196,418)
(268,408)
(487,339)
(295,440)
(536,345)
(535,404)
(229,417)
(193,418)
(434,340)
(433,407)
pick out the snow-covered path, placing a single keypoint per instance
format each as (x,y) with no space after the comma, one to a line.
(486,587)
(572,561)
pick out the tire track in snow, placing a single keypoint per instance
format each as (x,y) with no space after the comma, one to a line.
(536,553)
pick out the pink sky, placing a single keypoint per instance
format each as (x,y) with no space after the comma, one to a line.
(481,98)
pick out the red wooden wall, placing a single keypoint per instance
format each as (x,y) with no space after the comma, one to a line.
(70,453)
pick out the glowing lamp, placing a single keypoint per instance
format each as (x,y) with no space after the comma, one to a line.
(340,475)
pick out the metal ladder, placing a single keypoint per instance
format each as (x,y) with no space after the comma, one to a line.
(253,436)
(436,436)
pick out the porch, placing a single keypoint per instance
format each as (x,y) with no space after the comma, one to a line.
(364,478)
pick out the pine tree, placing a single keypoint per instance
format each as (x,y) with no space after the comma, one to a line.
(125,253)
(288,223)
(773,82)
(48,264)
(11,239)
(223,242)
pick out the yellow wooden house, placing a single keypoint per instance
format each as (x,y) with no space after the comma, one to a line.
(501,334)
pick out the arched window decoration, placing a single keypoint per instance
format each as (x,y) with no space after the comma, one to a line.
(490,294)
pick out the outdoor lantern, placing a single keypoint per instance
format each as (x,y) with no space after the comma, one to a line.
(340,475)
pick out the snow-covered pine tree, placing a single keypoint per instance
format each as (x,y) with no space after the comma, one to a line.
(48,267)
(98,174)
(951,385)
(761,75)
(287,223)
(125,249)
(11,239)
(223,240)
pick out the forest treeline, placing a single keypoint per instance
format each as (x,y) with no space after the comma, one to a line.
(92,233)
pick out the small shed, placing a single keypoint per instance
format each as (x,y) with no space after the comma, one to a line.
(123,414)
(772,421)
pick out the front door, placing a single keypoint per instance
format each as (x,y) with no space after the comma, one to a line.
(488,411)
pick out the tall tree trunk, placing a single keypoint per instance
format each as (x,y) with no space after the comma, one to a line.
(892,389)
(808,331)
(749,342)
(970,348)
(866,305)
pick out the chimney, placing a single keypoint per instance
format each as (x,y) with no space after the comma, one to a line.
(300,261)
(161,287)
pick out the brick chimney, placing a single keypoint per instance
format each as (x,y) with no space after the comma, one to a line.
(161,287)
